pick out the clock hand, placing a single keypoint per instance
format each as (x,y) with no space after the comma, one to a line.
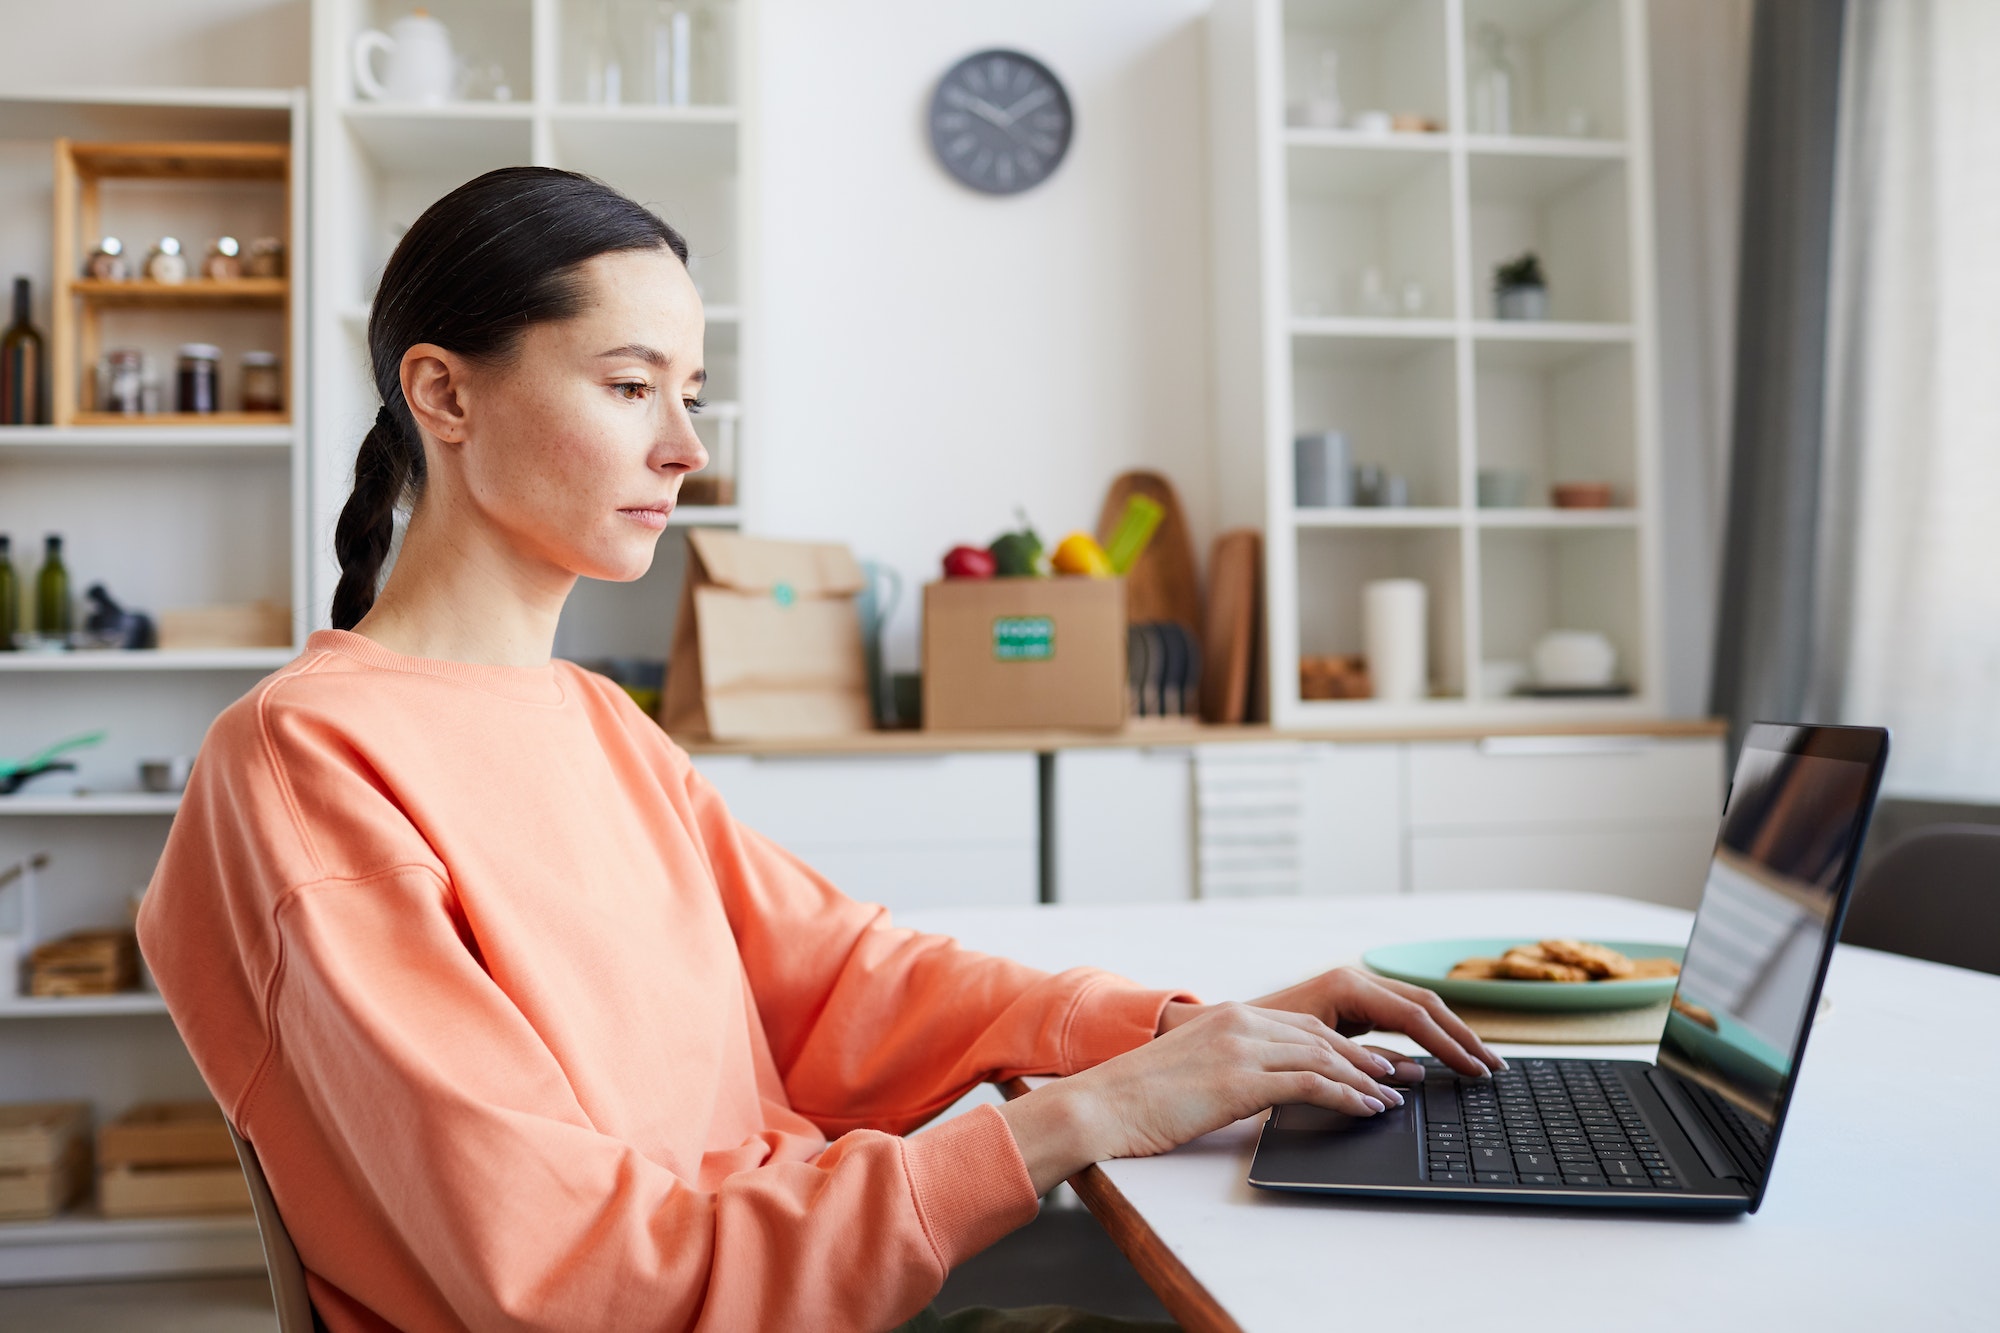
(978,106)
(1028,103)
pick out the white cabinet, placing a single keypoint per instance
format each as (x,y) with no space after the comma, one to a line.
(1351,829)
(1122,825)
(929,830)
(1125,825)
(1605,814)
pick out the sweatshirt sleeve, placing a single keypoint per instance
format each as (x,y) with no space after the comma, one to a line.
(876,1025)
(424,1091)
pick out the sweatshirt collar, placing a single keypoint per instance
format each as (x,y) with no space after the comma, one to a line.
(534,685)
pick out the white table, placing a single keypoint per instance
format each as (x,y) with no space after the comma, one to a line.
(1884,1201)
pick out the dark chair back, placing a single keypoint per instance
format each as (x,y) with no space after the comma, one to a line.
(1934,894)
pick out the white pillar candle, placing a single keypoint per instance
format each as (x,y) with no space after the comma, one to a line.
(1393,635)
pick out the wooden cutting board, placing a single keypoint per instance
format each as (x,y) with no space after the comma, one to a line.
(1229,630)
(1164,584)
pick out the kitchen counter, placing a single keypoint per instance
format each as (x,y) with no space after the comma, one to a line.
(1148,734)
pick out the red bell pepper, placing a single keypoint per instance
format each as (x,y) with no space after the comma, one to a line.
(969,562)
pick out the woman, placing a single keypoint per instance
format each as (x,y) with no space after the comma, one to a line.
(527,1032)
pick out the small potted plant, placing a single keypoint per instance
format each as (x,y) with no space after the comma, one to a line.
(1519,290)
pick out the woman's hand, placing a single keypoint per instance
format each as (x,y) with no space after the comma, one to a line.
(1214,1068)
(1352,1002)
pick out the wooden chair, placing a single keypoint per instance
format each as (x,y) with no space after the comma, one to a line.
(288,1275)
(1935,894)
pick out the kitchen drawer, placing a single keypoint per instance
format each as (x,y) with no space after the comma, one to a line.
(1665,861)
(878,800)
(916,875)
(1122,825)
(1563,780)
(1351,832)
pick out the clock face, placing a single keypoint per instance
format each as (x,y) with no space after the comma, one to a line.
(1000,121)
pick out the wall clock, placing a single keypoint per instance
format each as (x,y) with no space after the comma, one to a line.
(1000,121)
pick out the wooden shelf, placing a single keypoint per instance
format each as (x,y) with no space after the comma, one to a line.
(195,291)
(85,1246)
(222,420)
(193,159)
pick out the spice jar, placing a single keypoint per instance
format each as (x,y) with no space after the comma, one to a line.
(222,265)
(195,384)
(263,388)
(265,258)
(124,374)
(107,263)
(167,264)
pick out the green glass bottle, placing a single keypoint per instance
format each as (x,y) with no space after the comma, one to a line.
(52,610)
(10,595)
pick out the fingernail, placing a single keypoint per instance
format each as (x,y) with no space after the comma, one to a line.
(1372,1102)
(1498,1063)
(1396,1098)
(1385,1065)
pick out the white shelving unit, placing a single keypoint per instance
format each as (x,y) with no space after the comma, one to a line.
(1443,390)
(164,516)
(378,165)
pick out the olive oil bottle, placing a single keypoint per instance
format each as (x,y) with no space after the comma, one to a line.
(10,595)
(24,367)
(52,606)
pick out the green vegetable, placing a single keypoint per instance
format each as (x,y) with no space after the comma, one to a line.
(1017,554)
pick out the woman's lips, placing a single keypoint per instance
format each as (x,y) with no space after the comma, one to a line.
(651,516)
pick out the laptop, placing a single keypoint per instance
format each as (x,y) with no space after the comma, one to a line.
(1695,1131)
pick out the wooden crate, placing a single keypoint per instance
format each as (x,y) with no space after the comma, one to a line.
(166,1191)
(248,625)
(45,1191)
(44,1157)
(159,1134)
(85,962)
(80,168)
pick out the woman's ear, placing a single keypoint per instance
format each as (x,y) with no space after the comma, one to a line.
(434,383)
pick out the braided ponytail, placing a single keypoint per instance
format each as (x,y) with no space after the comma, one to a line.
(390,463)
(497,254)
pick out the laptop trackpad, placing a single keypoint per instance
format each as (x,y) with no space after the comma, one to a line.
(1310,1145)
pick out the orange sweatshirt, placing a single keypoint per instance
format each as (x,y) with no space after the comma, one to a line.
(530,1034)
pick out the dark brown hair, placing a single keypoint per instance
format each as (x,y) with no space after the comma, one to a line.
(483,263)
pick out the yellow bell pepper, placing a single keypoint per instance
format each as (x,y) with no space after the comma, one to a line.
(1079,553)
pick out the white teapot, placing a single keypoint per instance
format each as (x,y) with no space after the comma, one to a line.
(422,67)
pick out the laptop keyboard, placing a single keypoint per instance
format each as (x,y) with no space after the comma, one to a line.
(1749,1138)
(1567,1123)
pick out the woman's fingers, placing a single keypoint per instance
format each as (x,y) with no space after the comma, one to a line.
(1361,1057)
(1295,1046)
(1405,1066)
(1451,1024)
(1316,1090)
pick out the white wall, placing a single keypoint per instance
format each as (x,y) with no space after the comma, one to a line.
(154,44)
(934,357)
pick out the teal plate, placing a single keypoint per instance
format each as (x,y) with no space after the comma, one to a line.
(1425,964)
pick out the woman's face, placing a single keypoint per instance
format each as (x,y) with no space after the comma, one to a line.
(574,451)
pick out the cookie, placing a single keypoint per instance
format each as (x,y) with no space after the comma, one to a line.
(1475,969)
(1644,968)
(1515,966)
(1595,959)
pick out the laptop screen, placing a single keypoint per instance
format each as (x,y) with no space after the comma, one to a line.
(1777,887)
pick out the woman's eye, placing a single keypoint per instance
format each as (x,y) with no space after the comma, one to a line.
(694,405)
(631,391)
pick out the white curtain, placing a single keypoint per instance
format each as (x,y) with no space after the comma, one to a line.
(1912,513)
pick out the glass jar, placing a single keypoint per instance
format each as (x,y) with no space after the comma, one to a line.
(195,382)
(263,387)
(265,258)
(222,264)
(167,264)
(107,263)
(124,374)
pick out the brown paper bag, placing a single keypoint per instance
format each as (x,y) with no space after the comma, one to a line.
(767,643)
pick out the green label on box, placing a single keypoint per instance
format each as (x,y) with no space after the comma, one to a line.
(1023,638)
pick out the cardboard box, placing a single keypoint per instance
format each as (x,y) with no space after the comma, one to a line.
(1024,653)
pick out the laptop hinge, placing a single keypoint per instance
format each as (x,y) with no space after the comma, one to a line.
(1715,1154)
